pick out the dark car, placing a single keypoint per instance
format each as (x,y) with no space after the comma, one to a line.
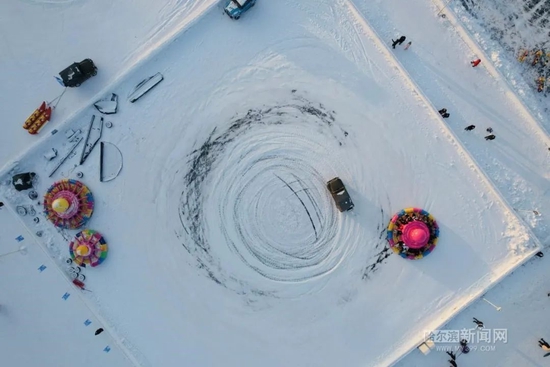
(340,194)
(77,73)
(235,8)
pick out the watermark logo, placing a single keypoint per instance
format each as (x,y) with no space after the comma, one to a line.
(478,339)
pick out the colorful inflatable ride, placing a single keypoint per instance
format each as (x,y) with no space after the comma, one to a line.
(412,233)
(88,248)
(68,204)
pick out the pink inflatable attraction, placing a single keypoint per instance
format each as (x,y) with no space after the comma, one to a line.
(412,233)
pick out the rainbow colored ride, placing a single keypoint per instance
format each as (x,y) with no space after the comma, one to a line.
(412,233)
(68,204)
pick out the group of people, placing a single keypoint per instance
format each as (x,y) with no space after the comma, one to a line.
(410,217)
(443,112)
(465,349)
(402,221)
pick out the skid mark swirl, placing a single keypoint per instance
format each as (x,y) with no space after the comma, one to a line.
(255,205)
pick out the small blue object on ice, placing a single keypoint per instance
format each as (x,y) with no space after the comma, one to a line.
(235,8)
(42,268)
(66,295)
(87,322)
(107,349)
(19,238)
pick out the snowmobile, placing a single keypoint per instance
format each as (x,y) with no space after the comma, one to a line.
(77,73)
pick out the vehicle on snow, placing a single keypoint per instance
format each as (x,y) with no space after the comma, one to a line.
(235,8)
(77,73)
(340,194)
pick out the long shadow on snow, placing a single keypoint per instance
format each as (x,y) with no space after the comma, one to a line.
(442,264)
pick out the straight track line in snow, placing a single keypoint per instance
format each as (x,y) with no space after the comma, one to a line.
(370,31)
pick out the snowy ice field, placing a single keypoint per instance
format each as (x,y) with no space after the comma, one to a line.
(214,259)
(39,38)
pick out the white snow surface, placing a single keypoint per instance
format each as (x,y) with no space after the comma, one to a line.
(225,246)
(39,38)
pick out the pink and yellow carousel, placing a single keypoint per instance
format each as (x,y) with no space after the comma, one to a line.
(412,233)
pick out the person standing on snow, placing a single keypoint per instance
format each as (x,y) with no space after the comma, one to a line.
(401,40)
(442,111)
(408,45)
(478,323)
(475,62)
(398,41)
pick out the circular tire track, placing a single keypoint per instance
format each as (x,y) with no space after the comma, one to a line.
(255,195)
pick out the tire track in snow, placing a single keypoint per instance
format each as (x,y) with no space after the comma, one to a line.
(301,201)
(346,38)
(239,181)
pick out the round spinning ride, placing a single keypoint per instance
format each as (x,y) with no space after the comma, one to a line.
(88,248)
(68,204)
(412,233)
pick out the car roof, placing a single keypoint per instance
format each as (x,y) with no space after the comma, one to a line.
(336,184)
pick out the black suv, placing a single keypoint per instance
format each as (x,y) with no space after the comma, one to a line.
(77,73)
(340,194)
